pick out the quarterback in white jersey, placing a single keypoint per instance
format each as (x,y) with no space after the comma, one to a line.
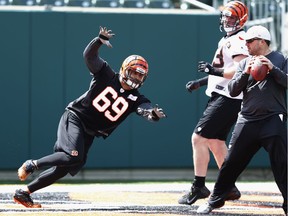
(221,112)
(228,48)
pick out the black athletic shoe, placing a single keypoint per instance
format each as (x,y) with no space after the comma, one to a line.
(26,169)
(284,206)
(234,194)
(194,194)
(23,197)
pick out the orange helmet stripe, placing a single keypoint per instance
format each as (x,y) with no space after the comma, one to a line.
(238,9)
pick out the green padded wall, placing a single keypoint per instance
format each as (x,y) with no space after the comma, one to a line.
(15,85)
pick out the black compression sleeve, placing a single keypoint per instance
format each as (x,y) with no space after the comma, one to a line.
(48,177)
(56,159)
(203,81)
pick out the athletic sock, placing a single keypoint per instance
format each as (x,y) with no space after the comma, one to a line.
(199,181)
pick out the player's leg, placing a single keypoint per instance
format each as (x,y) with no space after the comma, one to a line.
(203,131)
(214,124)
(50,176)
(71,152)
(224,118)
(278,160)
(243,148)
(45,179)
(69,147)
(219,150)
(201,155)
(276,146)
(55,159)
(218,146)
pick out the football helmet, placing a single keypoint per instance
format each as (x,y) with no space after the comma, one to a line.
(134,71)
(233,16)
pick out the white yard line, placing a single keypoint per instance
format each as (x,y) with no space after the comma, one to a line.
(158,187)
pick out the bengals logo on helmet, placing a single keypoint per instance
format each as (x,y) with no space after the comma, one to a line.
(237,11)
(133,64)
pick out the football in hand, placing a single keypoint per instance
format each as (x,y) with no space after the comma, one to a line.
(259,70)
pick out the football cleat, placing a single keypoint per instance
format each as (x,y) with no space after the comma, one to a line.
(23,198)
(26,169)
(194,194)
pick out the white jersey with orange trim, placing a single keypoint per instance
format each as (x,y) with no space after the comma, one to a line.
(228,47)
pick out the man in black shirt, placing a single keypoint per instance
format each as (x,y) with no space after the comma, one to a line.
(110,99)
(262,121)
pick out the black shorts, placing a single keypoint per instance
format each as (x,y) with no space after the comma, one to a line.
(218,118)
(73,140)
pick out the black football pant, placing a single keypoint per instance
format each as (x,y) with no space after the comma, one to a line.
(246,140)
(71,149)
(47,178)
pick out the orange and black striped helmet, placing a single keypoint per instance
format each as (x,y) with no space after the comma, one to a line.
(134,71)
(234,15)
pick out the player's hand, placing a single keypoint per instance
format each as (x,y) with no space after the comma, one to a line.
(207,68)
(192,85)
(249,65)
(266,61)
(105,35)
(157,113)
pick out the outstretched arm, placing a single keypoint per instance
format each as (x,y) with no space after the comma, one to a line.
(195,84)
(150,113)
(90,54)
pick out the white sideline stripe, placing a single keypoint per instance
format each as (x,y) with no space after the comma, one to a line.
(141,187)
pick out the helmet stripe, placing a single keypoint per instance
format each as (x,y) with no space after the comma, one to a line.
(136,62)
(238,8)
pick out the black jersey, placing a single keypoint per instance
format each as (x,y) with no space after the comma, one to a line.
(106,104)
(264,98)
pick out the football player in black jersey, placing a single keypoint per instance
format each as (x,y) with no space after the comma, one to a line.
(110,98)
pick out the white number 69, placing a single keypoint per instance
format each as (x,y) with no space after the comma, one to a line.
(119,106)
